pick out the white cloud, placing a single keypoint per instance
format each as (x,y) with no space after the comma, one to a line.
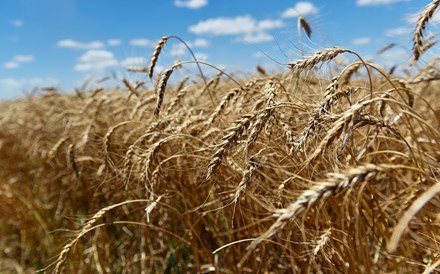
(269,24)
(24,58)
(141,42)
(13,87)
(13,39)
(11,65)
(361,41)
(256,37)
(224,26)
(200,43)
(96,56)
(44,82)
(179,49)
(114,42)
(394,56)
(258,54)
(245,27)
(17,60)
(134,61)
(96,60)
(300,9)
(191,4)
(72,44)
(398,32)
(376,2)
(17,23)
(201,56)
(9,84)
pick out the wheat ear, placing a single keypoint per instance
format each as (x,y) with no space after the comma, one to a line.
(157,50)
(424,17)
(229,140)
(322,56)
(264,115)
(130,87)
(225,100)
(71,160)
(305,25)
(161,89)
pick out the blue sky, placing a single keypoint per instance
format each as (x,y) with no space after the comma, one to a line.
(63,42)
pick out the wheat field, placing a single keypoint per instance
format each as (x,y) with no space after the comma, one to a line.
(281,172)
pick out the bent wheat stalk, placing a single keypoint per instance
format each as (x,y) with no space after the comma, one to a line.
(409,214)
(334,184)
(158,49)
(88,227)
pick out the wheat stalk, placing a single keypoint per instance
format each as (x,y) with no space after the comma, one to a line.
(62,257)
(320,192)
(409,214)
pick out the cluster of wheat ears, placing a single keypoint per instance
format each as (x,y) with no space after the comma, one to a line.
(279,173)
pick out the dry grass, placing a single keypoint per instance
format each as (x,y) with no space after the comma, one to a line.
(278,175)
